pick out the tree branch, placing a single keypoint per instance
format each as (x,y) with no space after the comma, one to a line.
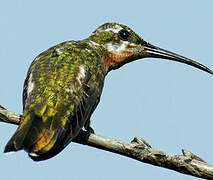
(137,149)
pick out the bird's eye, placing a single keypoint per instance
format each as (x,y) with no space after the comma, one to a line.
(123,34)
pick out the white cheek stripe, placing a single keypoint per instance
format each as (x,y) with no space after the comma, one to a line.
(117,48)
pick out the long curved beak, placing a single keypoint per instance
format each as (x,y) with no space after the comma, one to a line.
(153,51)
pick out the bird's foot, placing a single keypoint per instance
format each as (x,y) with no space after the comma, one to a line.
(90,130)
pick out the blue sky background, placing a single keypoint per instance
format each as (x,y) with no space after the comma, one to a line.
(169,104)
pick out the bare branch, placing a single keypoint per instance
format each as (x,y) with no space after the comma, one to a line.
(9,117)
(138,149)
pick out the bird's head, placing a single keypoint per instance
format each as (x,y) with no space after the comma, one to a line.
(123,45)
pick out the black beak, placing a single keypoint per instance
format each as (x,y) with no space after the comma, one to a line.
(153,51)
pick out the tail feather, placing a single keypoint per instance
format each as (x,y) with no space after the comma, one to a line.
(58,146)
(11,146)
(41,143)
(27,134)
(39,138)
(16,142)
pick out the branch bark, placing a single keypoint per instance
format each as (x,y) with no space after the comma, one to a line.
(138,149)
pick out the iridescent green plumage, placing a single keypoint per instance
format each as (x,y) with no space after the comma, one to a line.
(65,82)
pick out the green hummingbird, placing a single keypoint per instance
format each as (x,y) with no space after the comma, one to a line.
(64,85)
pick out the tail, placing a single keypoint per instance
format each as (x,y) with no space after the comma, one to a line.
(17,140)
(55,149)
(38,139)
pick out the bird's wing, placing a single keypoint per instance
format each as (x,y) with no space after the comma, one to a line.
(56,106)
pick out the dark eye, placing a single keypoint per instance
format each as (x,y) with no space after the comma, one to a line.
(123,34)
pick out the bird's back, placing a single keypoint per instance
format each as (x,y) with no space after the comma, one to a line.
(61,91)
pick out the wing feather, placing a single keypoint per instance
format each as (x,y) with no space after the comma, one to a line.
(57,105)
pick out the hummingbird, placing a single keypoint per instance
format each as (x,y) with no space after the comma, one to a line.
(64,85)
